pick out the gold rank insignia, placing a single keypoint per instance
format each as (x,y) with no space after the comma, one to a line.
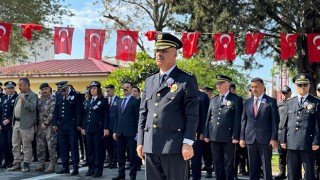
(159,36)
(302,77)
(174,87)
(309,106)
(228,103)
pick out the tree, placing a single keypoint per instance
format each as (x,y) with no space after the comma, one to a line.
(271,17)
(145,67)
(28,11)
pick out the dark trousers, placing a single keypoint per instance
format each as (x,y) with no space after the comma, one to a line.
(296,158)
(259,154)
(95,151)
(68,140)
(240,159)
(82,145)
(123,142)
(34,147)
(196,160)
(207,157)
(223,158)
(166,166)
(111,146)
(317,161)
(282,158)
(6,145)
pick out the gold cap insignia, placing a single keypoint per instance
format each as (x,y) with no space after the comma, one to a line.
(159,36)
(302,77)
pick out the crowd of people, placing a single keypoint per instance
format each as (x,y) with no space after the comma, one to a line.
(173,126)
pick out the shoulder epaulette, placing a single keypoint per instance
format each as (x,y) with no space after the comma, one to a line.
(291,98)
(186,72)
(214,96)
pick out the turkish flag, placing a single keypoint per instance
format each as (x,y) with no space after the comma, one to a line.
(126,45)
(5,29)
(63,40)
(252,42)
(313,41)
(287,45)
(224,46)
(150,35)
(93,44)
(27,30)
(189,41)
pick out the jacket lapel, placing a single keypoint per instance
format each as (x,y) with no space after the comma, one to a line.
(250,107)
(128,104)
(261,104)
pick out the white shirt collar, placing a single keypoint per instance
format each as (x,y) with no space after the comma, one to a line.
(260,97)
(304,97)
(225,94)
(168,72)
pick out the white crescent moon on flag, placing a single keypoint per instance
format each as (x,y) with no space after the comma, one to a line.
(287,36)
(188,36)
(225,36)
(94,34)
(63,30)
(315,39)
(127,37)
(4,30)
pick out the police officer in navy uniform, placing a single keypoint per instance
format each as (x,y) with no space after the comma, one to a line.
(168,115)
(67,121)
(222,127)
(317,157)
(95,124)
(7,107)
(300,132)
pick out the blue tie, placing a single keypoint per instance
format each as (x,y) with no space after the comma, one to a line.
(123,104)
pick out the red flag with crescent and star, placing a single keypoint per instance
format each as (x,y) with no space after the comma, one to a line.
(189,41)
(150,35)
(28,28)
(313,41)
(252,42)
(93,43)
(63,40)
(5,30)
(224,46)
(287,45)
(126,45)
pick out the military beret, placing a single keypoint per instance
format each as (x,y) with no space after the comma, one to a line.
(285,89)
(10,84)
(110,86)
(95,84)
(223,78)
(166,40)
(301,79)
(62,85)
(43,85)
(318,86)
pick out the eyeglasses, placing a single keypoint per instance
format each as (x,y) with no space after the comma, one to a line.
(303,85)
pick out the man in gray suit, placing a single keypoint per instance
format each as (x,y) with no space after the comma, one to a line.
(259,129)
(169,114)
(24,120)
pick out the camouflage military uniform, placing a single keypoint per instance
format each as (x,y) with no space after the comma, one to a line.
(46,136)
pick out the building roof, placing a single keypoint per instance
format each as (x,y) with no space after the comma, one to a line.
(59,67)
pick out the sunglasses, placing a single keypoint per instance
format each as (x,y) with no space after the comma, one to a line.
(303,85)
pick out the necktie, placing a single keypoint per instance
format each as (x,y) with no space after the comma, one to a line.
(123,104)
(110,101)
(162,78)
(221,99)
(255,106)
(301,101)
(92,100)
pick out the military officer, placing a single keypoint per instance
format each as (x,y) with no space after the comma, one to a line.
(317,157)
(222,127)
(46,136)
(168,115)
(7,108)
(300,133)
(95,127)
(67,120)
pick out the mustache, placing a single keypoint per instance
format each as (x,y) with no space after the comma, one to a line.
(125,89)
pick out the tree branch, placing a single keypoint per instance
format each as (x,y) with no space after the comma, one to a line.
(142,7)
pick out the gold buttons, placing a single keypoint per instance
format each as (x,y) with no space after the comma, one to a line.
(297,123)
(156,104)
(158,94)
(297,129)
(154,126)
(155,115)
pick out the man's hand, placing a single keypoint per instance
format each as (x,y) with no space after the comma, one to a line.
(284,146)
(22,96)
(315,147)
(140,151)
(201,137)
(242,143)
(274,144)
(206,140)
(187,151)
(83,132)
(115,136)
(55,128)
(234,141)
(106,132)
(6,121)
(79,128)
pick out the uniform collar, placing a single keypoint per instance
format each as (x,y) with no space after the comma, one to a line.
(168,72)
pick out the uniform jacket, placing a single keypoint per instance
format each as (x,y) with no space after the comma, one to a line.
(282,113)
(97,115)
(224,120)
(68,112)
(127,122)
(28,116)
(262,128)
(45,109)
(301,127)
(168,112)
(7,108)
(114,112)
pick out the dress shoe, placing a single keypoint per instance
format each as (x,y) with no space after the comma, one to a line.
(127,166)
(244,173)
(97,175)
(75,171)
(280,176)
(89,173)
(84,163)
(107,165)
(119,178)
(63,171)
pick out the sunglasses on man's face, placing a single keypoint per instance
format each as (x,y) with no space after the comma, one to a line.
(302,85)
(318,90)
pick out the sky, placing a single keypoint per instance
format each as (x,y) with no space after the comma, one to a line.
(88,15)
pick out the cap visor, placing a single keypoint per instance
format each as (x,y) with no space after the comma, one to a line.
(162,47)
(302,82)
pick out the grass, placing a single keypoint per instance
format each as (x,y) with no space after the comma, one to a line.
(275,164)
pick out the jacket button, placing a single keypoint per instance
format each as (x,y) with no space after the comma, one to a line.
(156,104)
(179,129)
(218,123)
(155,115)
(297,129)
(158,94)
(62,115)
(62,103)
(218,117)
(62,107)
(154,126)
(297,123)
(297,117)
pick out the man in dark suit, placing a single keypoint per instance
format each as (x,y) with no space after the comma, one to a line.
(125,131)
(67,121)
(111,144)
(300,133)
(259,129)
(196,161)
(223,127)
(168,115)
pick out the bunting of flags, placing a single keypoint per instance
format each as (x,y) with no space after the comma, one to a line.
(224,44)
